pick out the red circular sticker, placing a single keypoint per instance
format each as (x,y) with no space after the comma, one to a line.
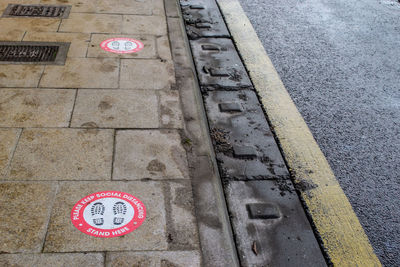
(108,214)
(122,45)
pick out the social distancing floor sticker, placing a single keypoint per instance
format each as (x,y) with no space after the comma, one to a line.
(121,45)
(108,214)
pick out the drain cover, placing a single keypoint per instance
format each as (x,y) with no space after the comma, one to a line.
(46,11)
(33,53)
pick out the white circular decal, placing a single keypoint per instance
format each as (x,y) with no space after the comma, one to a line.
(122,45)
(108,214)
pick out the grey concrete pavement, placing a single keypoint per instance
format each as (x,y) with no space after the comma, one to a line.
(339,62)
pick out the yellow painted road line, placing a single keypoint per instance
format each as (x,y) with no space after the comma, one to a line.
(342,235)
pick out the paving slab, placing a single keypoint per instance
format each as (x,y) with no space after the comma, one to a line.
(158,8)
(20,75)
(24,212)
(8,142)
(36,108)
(172,8)
(116,109)
(11,35)
(180,54)
(146,74)
(170,109)
(182,228)
(91,23)
(30,24)
(63,154)
(82,73)
(149,50)
(137,7)
(79,41)
(152,25)
(155,154)
(77,5)
(154,259)
(54,260)
(163,47)
(62,236)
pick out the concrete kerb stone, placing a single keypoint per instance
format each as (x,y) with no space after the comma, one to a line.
(163,48)
(189,90)
(171,8)
(181,223)
(215,232)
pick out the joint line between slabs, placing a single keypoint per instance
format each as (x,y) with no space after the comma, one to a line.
(8,167)
(53,198)
(73,108)
(113,154)
(41,76)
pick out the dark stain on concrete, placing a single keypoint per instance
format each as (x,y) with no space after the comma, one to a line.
(156,166)
(104,105)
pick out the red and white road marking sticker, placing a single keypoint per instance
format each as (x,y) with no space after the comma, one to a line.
(122,45)
(108,214)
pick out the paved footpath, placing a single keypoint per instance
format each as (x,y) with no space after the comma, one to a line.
(105,121)
(105,153)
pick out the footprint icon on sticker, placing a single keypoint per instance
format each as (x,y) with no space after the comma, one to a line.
(115,45)
(119,210)
(128,46)
(97,212)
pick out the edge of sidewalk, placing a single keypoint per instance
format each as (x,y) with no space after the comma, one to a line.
(339,230)
(214,228)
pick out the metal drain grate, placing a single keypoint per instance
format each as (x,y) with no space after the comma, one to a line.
(42,11)
(33,53)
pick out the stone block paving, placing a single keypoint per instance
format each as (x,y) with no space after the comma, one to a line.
(103,121)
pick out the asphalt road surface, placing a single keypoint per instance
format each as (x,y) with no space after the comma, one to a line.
(340,62)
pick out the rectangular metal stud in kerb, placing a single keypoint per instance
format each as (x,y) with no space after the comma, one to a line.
(218,72)
(210,47)
(196,7)
(203,25)
(263,211)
